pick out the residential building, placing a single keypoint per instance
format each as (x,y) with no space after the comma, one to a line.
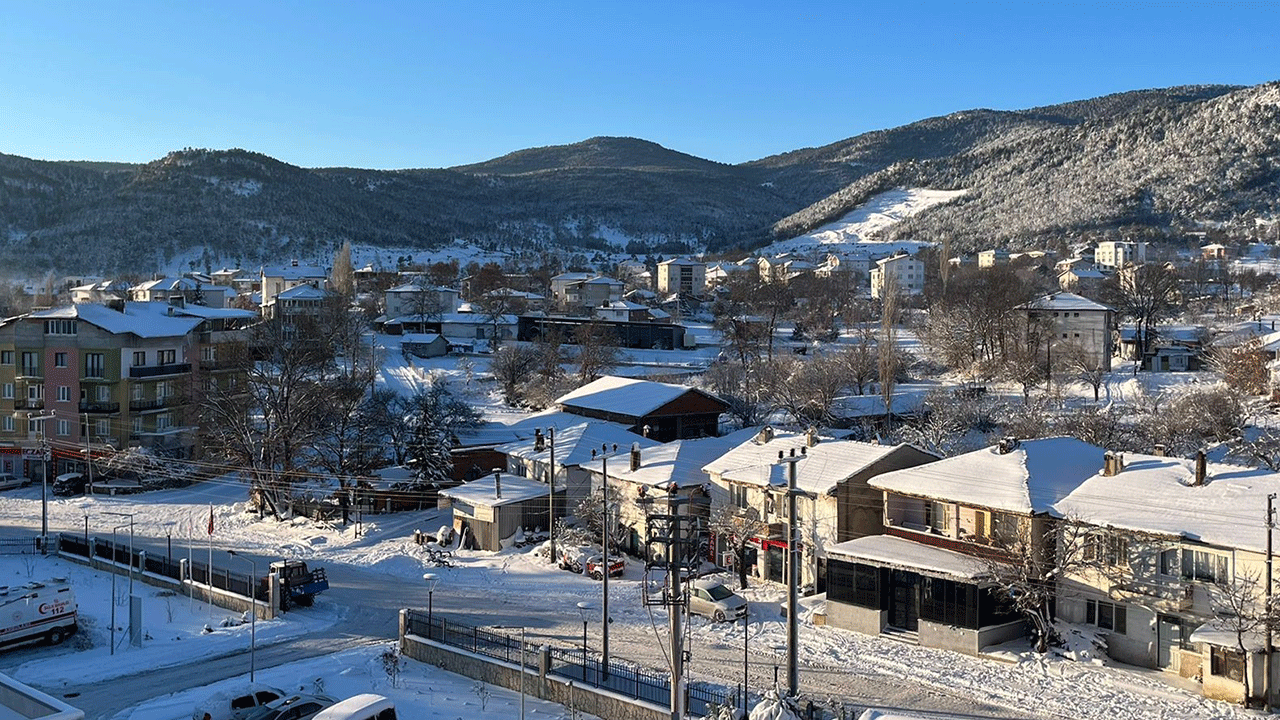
(622,311)
(182,291)
(296,303)
(1215,252)
(720,272)
(681,275)
(419,299)
(1066,325)
(1081,279)
(564,459)
(1114,254)
(906,271)
(991,258)
(494,508)
(661,411)
(836,501)
(277,279)
(105,291)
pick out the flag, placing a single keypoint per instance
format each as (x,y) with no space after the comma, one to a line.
(211,520)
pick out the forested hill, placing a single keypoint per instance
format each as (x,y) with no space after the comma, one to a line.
(1152,162)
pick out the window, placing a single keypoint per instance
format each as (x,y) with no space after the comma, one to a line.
(139,357)
(166,357)
(937,516)
(164,421)
(59,327)
(35,426)
(104,393)
(1112,550)
(8,423)
(6,357)
(1226,663)
(137,424)
(1201,565)
(209,353)
(64,393)
(138,392)
(60,359)
(64,427)
(8,391)
(30,363)
(93,365)
(102,427)
(738,495)
(35,392)
(1105,615)
(164,389)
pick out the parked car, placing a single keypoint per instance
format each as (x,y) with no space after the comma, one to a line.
(8,481)
(294,707)
(573,559)
(361,707)
(69,484)
(710,598)
(595,566)
(238,704)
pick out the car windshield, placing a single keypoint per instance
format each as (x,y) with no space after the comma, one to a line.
(719,592)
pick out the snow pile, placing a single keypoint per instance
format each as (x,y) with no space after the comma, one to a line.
(775,707)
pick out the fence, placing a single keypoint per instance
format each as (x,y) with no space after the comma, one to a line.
(121,554)
(622,677)
(20,546)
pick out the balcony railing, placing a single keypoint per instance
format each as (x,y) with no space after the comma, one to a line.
(146,371)
(99,407)
(28,404)
(156,404)
(29,371)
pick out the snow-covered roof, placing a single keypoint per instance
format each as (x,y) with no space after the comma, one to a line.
(302,292)
(1085,273)
(417,288)
(211,313)
(625,396)
(679,261)
(680,461)
(601,280)
(423,338)
(459,318)
(495,432)
(143,319)
(1220,633)
(622,305)
(1030,478)
(180,283)
(1063,301)
(483,490)
(574,444)
(897,552)
(510,293)
(826,464)
(293,272)
(1221,512)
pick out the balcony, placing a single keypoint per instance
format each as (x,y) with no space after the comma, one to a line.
(147,371)
(222,365)
(29,371)
(99,407)
(156,404)
(28,403)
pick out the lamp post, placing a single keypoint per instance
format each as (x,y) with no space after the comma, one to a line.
(521,628)
(746,617)
(253,619)
(605,532)
(583,607)
(113,588)
(46,455)
(113,543)
(432,579)
(551,494)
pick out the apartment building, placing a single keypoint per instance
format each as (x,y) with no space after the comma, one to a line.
(907,271)
(681,275)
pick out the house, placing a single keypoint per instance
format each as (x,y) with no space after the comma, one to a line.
(560,284)
(100,292)
(927,575)
(836,503)
(906,272)
(296,303)
(277,279)
(419,299)
(661,411)
(1170,534)
(494,508)
(1215,252)
(681,275)
(656,333)
(632,269)
(182,291)
(1114,254)
(594,291)
(1173,348)
(424,345)
(991,258)
(835,264)
(1065,324)
(563,453)
(518,300)
(720,272)
(1081,278)
(621,311)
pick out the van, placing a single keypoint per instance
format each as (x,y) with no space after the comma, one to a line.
(37,611)
(361,707)
(69,484)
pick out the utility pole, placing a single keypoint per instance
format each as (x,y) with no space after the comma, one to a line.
(793,574)
(675,609)
(605,532)
(1266,657)
(551,485)
(671,546)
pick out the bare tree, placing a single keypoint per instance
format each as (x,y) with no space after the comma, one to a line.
(1083,367)
(738,387)
(889,360)
(736,527)
(1243,366)
(597,351)
(1242,611)
(1026,563)
(860,360)
(511,366)
(1144,294)
(807,389)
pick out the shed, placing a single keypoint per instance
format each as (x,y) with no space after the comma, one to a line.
(424,345)
(670,412)
(493,508)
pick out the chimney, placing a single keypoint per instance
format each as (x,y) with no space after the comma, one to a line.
(294,262)
(811,437)
(1159,450)
(538,442)
(1200,468)
(1007,445)
(635,456)
(765,434)
(644,431)
(497,484)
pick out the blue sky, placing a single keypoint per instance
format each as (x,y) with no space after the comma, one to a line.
(433,84)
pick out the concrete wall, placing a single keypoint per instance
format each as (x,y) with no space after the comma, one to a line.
(538,683)
(853,617)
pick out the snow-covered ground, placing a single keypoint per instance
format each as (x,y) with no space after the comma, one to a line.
(856,231)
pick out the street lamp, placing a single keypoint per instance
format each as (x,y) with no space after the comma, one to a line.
(432,579)
(605,533)
(521,628)
(113,586)
(253,606)
(113,543)
(47,456)
(583,607)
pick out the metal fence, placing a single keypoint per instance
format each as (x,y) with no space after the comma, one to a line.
(222,578)
(572,663)
(20,546)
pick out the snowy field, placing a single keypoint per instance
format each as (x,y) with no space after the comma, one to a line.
(855,232)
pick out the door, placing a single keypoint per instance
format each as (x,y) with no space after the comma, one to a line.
(777,564)
(1168,640)
(904,600)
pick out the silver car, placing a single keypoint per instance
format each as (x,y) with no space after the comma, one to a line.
(294,707)
(710,598)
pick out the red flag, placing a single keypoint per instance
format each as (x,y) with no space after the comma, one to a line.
(211,519)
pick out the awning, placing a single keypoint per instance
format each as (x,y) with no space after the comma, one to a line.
(1220,633)
(902,554)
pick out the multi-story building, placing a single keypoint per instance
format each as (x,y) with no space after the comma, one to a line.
(681,275)
(1114,254)
(276,280)
(907,272)
(99,375)
(418,299)
(1068,327)
(182,291)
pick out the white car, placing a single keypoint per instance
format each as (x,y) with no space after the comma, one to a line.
(710,598)
(238,704)
(8,481)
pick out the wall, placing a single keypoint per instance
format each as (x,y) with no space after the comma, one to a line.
(538,683)
(854,617)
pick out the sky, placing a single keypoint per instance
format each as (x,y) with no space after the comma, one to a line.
(424,83)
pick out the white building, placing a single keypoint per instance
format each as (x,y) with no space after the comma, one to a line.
(1114,254)
(276,280)
(906,270)
(681,275)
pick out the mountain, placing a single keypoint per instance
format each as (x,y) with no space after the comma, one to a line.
(1154,163)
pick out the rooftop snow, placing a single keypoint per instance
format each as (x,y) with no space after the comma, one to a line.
(1063,301)
(680,461)
(625,396)
(143,319)
(495,432)
(1225,511)
(209,313)
(294,272)
(574,444)
(825,464)
(482,491)
(1031,478)
(302,291)
(901,553)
